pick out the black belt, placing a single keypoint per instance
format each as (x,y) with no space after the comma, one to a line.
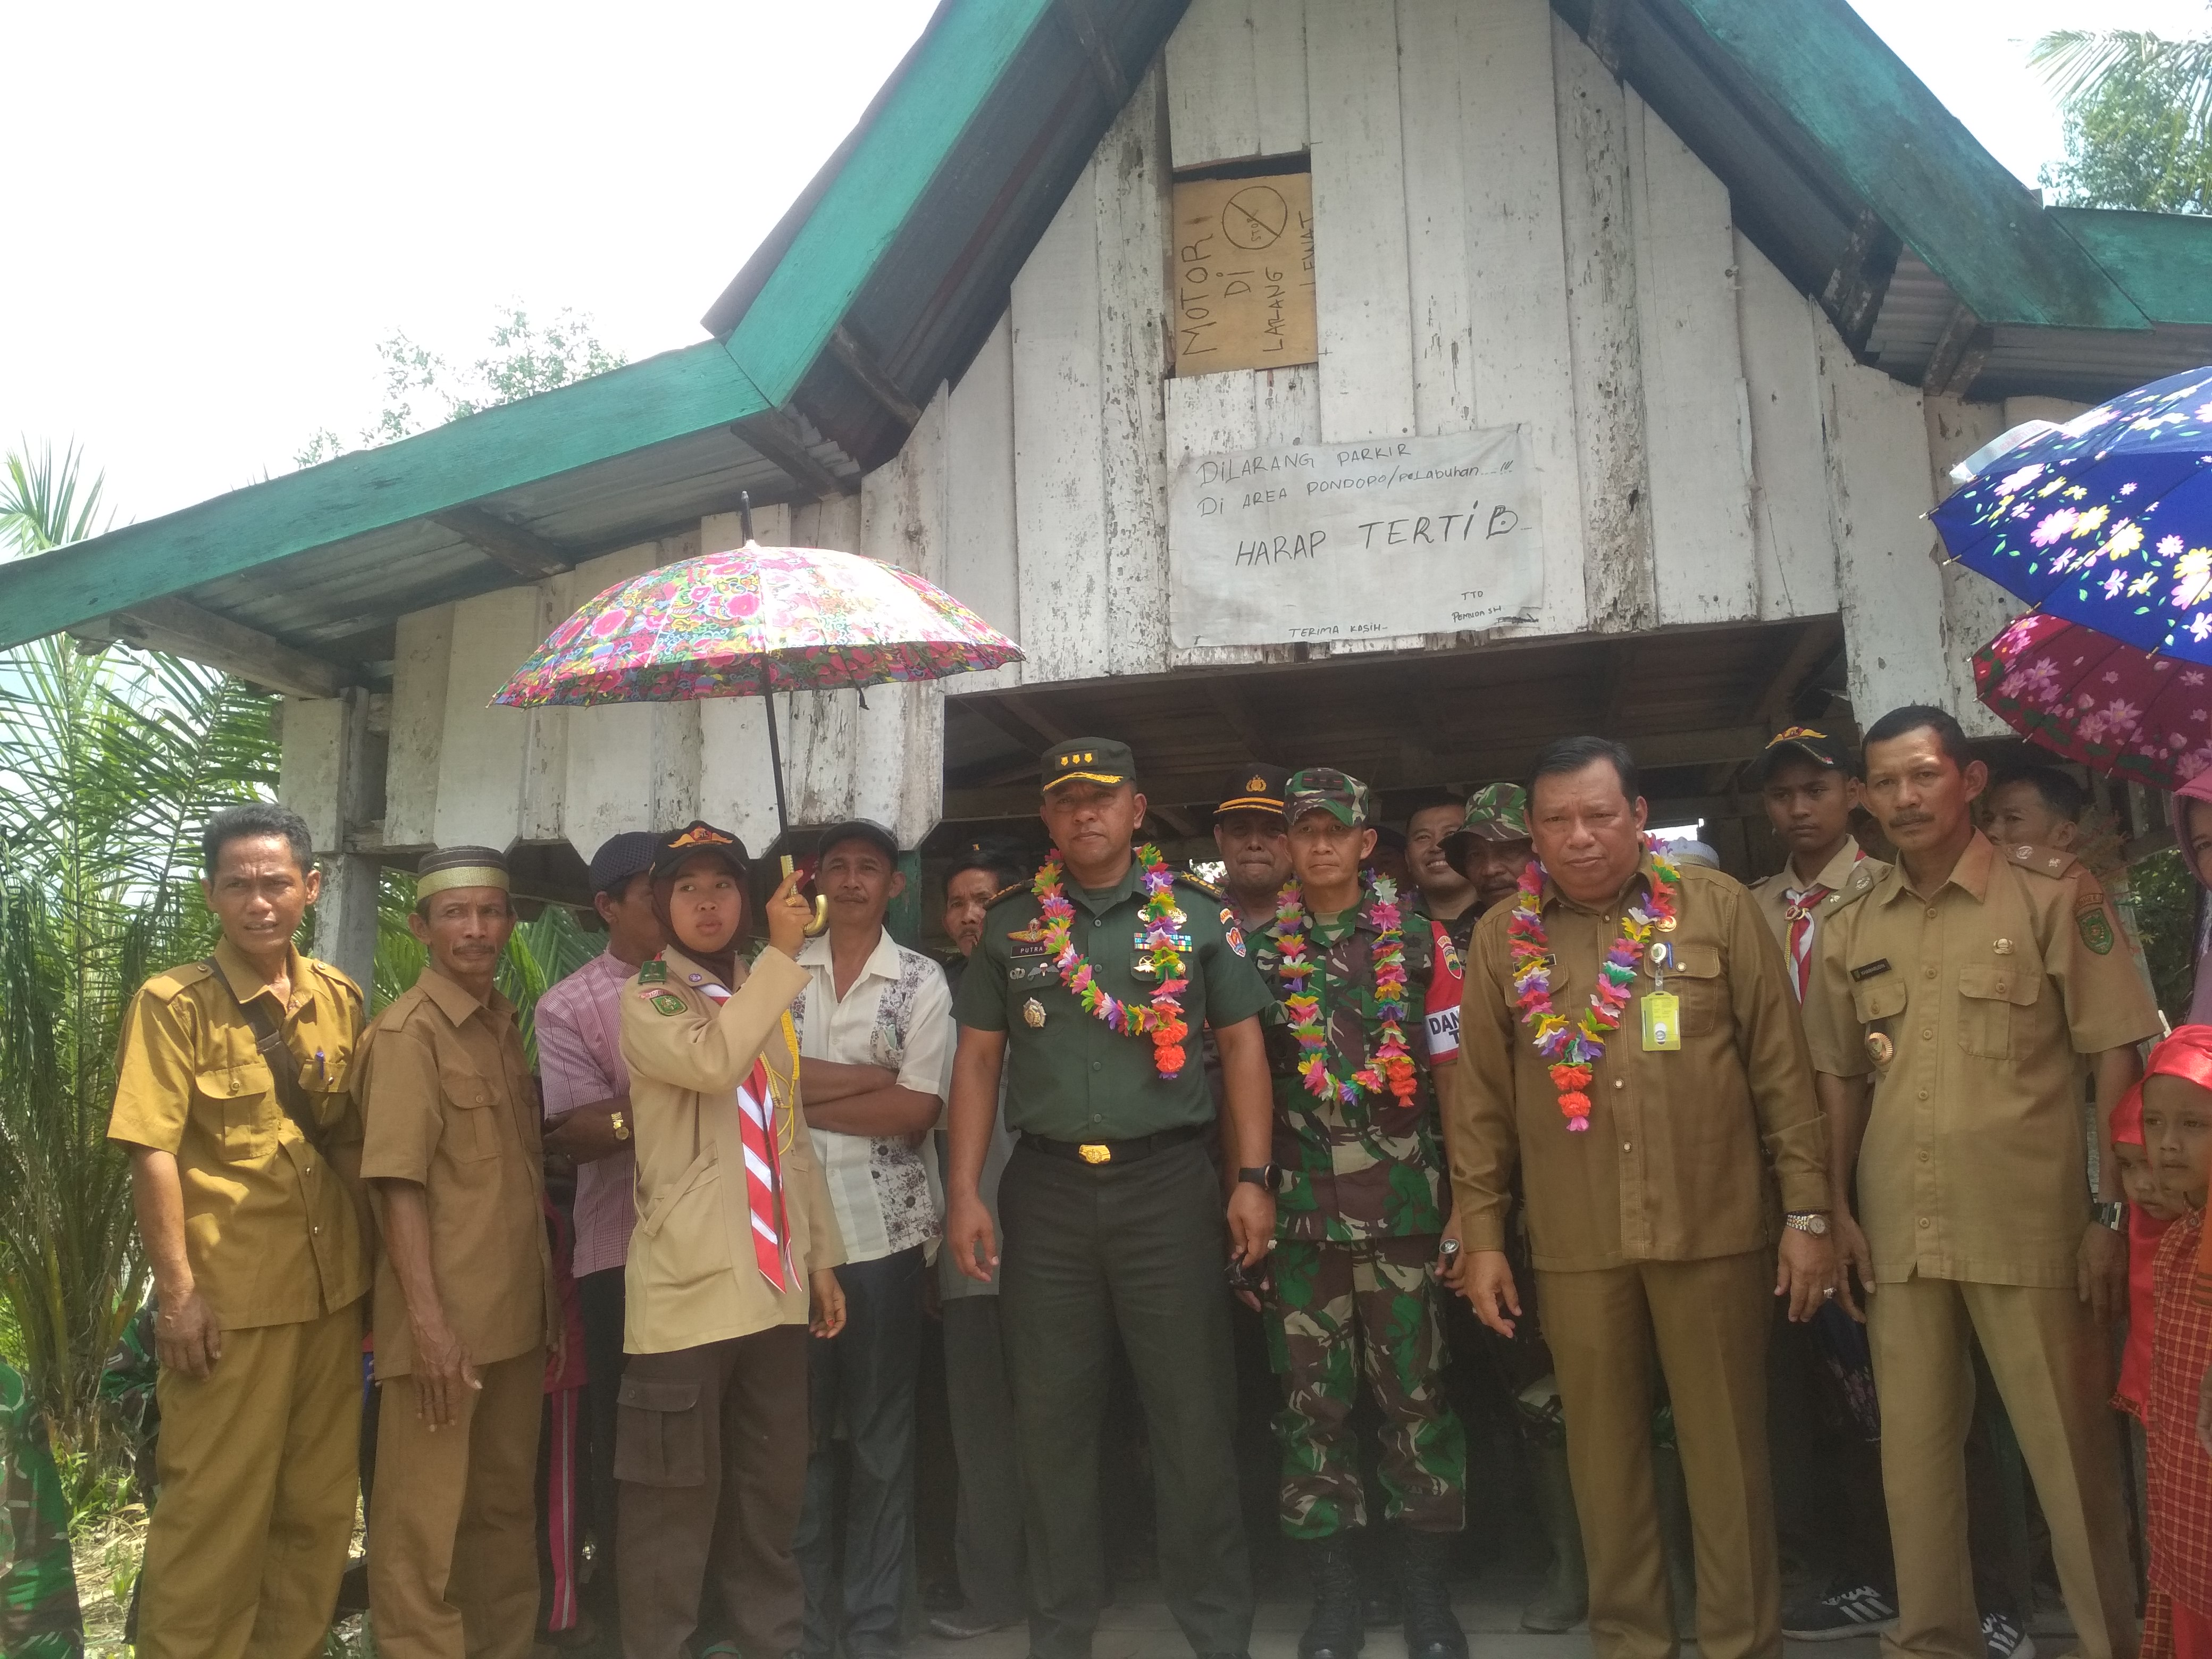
(1113,1151)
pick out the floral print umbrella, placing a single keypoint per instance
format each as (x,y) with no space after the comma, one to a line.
(2106,520)
(2100,701)
(753,622)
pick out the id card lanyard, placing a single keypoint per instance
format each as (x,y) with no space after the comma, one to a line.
(1662,1008)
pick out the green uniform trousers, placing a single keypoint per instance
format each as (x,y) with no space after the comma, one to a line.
(453,1528)
(258,1463)
(2051,1365)
(1137,1248)
(1705,1325)
(1337,1310)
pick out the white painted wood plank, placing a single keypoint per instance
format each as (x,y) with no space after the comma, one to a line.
(735,788)
(719,533)
(1212,105)
(1437,208)
(487,752)
(1696,422)
(311,749)
(1059,490)
(833,523)
(1360,280)
(896,765)
(2058,410)
(1279,74)
(1522,360)
(1596,220)
(1133,234)
(1210,415)
(421,667)
(1788,447)
(980,540)
(546,734)
(1891,597)
(1286,406)
(1974,608)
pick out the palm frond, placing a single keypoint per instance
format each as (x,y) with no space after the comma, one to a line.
(2082,65)
(47,503)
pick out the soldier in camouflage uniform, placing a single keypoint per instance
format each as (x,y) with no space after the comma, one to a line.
(39,1614)
(1358,1221)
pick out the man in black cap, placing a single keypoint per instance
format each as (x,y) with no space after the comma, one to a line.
(1087,990)
(1256,850)
(585,1083)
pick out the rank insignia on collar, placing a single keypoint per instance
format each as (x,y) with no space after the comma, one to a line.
(655,972)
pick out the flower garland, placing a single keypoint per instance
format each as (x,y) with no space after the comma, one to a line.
(1392,1066)
(1573,1047)
(1163,1021)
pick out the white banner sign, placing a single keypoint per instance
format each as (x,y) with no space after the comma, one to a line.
(1343,542)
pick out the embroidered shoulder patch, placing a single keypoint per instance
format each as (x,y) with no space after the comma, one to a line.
(2096,928)
(1236,932)
(655,972)
(668,1002)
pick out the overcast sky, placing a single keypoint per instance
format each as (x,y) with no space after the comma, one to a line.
(221,208)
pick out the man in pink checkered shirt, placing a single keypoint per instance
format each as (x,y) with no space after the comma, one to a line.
(587,1088)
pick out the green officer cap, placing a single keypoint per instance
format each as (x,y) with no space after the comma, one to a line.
(1323,788)
(1087,759)
(1497,811)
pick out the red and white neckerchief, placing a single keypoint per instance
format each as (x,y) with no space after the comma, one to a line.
(1802,902)
(763,1171)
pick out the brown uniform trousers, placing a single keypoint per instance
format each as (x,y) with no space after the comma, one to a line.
(1651,1239)
(1972,1007)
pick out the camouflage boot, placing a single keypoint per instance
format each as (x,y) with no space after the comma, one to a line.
(1336,1630)
(1564,1602)
(1432,1630)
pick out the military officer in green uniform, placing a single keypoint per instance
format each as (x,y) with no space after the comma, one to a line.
(1358,1222)
(1088,990)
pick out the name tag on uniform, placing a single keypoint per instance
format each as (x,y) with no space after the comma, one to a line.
(1026,947)
(1662,1022)
(1866,970)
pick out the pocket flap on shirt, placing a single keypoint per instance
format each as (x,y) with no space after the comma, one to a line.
(1697,961)
(1996,984)
(1878,999)
(463,1087)
(643,1395)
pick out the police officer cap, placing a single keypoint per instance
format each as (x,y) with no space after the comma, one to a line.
(1087,759)
(620,857)
(1256,788)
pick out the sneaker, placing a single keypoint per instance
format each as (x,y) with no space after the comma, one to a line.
(1855,1610)
(2004,1636)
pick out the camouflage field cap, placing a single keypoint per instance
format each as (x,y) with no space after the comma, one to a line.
(1497,811)
(1087,759)
(1325,789)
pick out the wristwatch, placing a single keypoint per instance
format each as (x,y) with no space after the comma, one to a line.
(1269,1176)
(620,1124)
(1815,1222)
(2113,1215)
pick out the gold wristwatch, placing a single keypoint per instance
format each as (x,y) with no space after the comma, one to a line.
(621,1125)
(1815,1222)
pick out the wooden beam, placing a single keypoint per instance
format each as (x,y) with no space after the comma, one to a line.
(861,365)
(1860,281)
(183,629)
(1806,653)
(523,551)
(1083,23)
(1960,350)
(1259,743)
(777,436)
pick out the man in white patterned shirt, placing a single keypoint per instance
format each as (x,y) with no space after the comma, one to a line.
(876,1061)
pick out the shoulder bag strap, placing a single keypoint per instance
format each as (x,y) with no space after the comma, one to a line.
(283,1069)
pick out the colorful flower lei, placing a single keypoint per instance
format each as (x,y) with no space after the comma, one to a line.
(1391,1060)
(1163,1021)
(1574,1048)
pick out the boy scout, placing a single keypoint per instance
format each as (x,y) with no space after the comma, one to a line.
(1642,1125)
(1358,1222)
(231,1094)
(1087,989)
(1974,988)
(464,1284)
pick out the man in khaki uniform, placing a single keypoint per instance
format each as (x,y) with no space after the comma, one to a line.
(257,1258)
(1975,986)
(1649,1227)
(463,1285)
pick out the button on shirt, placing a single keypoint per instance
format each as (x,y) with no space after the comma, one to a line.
(896,1014)
(1674,1165)
(448,1103)
(1987,995)
(579,1028)
(1070,1078)
(271,1230)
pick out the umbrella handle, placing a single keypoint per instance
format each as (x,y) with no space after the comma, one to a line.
(820,924)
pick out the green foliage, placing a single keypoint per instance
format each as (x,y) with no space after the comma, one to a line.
(45,502)
(2138,111)
(2166,896)
(525,358)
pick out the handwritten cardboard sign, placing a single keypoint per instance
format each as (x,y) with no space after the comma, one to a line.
(1244,274)
(1343,542)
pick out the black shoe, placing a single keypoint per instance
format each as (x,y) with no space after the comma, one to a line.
(965,1622)
(2004,1636)
(1335,1631)
(352,1587)
(1848,1610)
(1432,1630)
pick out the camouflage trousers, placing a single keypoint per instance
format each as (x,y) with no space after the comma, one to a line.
(1338,1312)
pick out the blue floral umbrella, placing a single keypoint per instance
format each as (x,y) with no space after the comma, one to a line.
(2106,521)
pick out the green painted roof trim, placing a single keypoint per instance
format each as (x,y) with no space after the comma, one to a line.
(2163,260)
(959,65)
(1979,227)
(670,395)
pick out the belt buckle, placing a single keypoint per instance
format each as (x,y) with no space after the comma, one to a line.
(1091,1152)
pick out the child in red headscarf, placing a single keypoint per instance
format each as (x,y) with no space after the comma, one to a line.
(2177,1132)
